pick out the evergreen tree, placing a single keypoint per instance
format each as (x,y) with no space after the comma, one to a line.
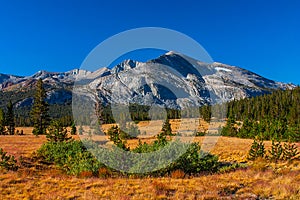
(166,129)
(39,111)
(73,129)
(229,129)
(56,132)
(2,122)
(80,130)
(10,118)
(114,135)
(276,151)
(205,113)
(257,150)
(245,130)
(290,152)
(132,131)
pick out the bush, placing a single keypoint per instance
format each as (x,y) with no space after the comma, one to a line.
(7,162)
(56,132)
(193,160)
(71,156)
(200,134)
(104,172)
(228,167)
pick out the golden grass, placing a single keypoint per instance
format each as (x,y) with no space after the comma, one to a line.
(240,184)
(279,181)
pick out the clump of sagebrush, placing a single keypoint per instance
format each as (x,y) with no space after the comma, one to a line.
(7,162)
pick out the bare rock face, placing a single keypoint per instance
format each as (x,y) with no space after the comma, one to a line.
(172,80)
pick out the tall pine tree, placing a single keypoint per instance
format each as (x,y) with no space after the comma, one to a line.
(10,118)
(2,122)
(39,111)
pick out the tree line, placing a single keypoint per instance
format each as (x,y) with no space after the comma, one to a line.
(274,116)
(61,112)
(38,116)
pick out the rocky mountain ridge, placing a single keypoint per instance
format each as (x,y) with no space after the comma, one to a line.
(173,80)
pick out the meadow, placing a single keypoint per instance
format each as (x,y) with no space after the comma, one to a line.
(256,180)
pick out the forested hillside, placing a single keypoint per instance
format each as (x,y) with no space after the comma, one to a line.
(274,116)
(62,111)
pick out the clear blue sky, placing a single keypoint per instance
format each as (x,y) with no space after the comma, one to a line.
(259,35)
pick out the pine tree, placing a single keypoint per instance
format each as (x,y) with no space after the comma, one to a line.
(99,109)
(276,151)
(114,136)
(80,130)
(290,152)
(229,129)
(73,129)
(257,150)
(39,112)
(10,118)
(166,129)
(57,133)
(205,112)
(2,122)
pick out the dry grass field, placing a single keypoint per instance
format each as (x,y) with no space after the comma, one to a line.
(278,181)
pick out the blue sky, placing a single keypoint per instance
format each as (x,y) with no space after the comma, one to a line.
(259,35)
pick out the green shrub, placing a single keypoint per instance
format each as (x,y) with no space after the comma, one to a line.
(232,167)
(195,161)
(277,153)
(192,161)
(71,156)
(56,132)
(7,162)
(159,143)
(200,134)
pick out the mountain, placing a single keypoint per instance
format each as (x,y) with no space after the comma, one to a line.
(177,81)
(173,80)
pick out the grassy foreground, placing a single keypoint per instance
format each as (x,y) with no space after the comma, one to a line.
(258,181)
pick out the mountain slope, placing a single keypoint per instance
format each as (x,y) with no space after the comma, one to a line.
(177,81)
(172,80)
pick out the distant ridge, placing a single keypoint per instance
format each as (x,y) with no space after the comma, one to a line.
(152,82)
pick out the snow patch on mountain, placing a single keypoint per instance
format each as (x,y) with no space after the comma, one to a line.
(222,69)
